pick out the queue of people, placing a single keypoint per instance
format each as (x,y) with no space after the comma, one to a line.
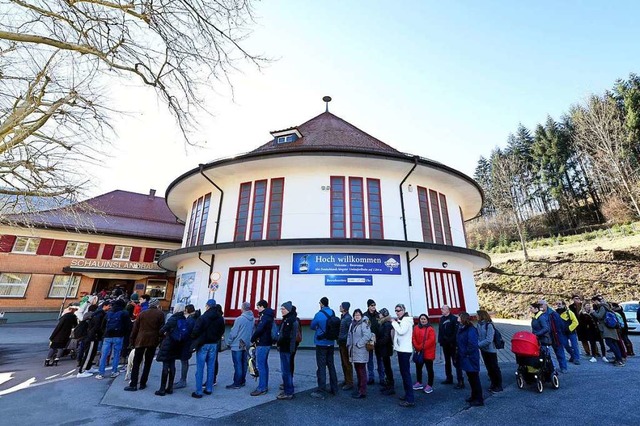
(366,343)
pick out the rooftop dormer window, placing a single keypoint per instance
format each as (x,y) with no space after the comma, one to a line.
(286,135)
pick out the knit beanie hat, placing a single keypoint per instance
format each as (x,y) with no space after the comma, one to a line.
(211,302)
(287,305)
(154,303)
(345,305)
(135,297)
(370,302)
(384,312)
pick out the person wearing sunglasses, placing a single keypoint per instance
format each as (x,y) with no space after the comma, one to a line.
(403,344)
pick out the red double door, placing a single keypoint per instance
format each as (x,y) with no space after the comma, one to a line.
(443,287)
(251,284)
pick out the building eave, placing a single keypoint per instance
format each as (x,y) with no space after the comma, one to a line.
(169,260)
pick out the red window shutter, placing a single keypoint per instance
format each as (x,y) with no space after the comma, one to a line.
(149,254)
(107,252)
(45,246)
(6,243)
(92,251)
(58,247)
(135,254)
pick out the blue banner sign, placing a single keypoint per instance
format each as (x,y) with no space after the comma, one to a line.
(348,280)
(346,263)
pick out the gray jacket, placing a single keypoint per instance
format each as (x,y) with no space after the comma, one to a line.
(359,335)
(606,332)
(241,331)
(486,333)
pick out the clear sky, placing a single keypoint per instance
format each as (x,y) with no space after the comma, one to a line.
(441,79)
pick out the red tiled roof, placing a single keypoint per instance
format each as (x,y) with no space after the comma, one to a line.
(116,213)
(329,131)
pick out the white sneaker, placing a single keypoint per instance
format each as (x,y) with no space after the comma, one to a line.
(593,359)
(604,359)
(99,376)
(84,374)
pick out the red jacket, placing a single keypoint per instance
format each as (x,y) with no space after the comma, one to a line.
(424,339)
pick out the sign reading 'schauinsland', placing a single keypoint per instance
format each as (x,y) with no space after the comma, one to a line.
(346,263)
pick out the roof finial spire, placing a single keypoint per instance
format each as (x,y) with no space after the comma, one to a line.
(327,99)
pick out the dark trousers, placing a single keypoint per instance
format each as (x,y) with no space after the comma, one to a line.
(386,361)
(347,369)
(147,353)
(324,361)
(476,387)
(88,354)
(449,352)
(168,374)
(404,362)
(614,345)
(429,364)
(493,369)
(293,360)
(361,373)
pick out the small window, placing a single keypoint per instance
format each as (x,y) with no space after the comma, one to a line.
(157,288)
(286,139)
(62,284)
(27,245)
(159,252)
(121,253)
(76,249)
(13,285)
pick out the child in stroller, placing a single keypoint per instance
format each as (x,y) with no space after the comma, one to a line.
(534,362)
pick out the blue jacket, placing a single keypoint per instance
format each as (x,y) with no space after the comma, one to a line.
(262,335)
(556,327)
(468,350)
(319,325)
(540,327)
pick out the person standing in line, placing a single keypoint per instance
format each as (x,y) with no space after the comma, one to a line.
(469,354)
(144,305)
(610,335)
(175,333)
(384,350)
(372,314)
(403,344)
(94,337)
(206,335)
(424,341)
(298,340)
(262,338)
(239,338)
(345,323)
(357,337)
(87,343)
(447,339)
(61,335)
(488,350)
(588,332)
(185,355)
(115,326)
(324,351)
(570,340)
(145,337)
(287,346)
(558,338)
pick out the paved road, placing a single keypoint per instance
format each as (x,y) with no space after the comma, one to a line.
(30,393)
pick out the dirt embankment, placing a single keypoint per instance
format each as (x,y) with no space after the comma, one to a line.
(507,288)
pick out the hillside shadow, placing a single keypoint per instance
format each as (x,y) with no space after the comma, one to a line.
(584,280)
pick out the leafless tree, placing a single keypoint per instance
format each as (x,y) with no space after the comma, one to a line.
(600,133)
(506,175)
(58,58)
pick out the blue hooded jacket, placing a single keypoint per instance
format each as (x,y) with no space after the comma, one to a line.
(468,349)
(319,325)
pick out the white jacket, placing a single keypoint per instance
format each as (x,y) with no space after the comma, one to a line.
(403,334)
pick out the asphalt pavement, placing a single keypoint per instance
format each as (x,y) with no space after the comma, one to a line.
(591,393)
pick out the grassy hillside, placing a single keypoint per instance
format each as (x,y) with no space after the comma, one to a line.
(508,287)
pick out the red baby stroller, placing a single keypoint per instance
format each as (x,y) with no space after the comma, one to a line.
(534,362)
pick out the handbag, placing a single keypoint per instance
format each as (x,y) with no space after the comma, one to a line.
(418,356)
(371,344)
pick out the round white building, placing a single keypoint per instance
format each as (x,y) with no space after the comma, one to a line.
(324,209)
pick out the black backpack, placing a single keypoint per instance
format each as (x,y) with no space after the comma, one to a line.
(332,328)
(498,341)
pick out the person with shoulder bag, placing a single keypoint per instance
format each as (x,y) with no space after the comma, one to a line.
(424,346)
(357,338)
(488,350)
